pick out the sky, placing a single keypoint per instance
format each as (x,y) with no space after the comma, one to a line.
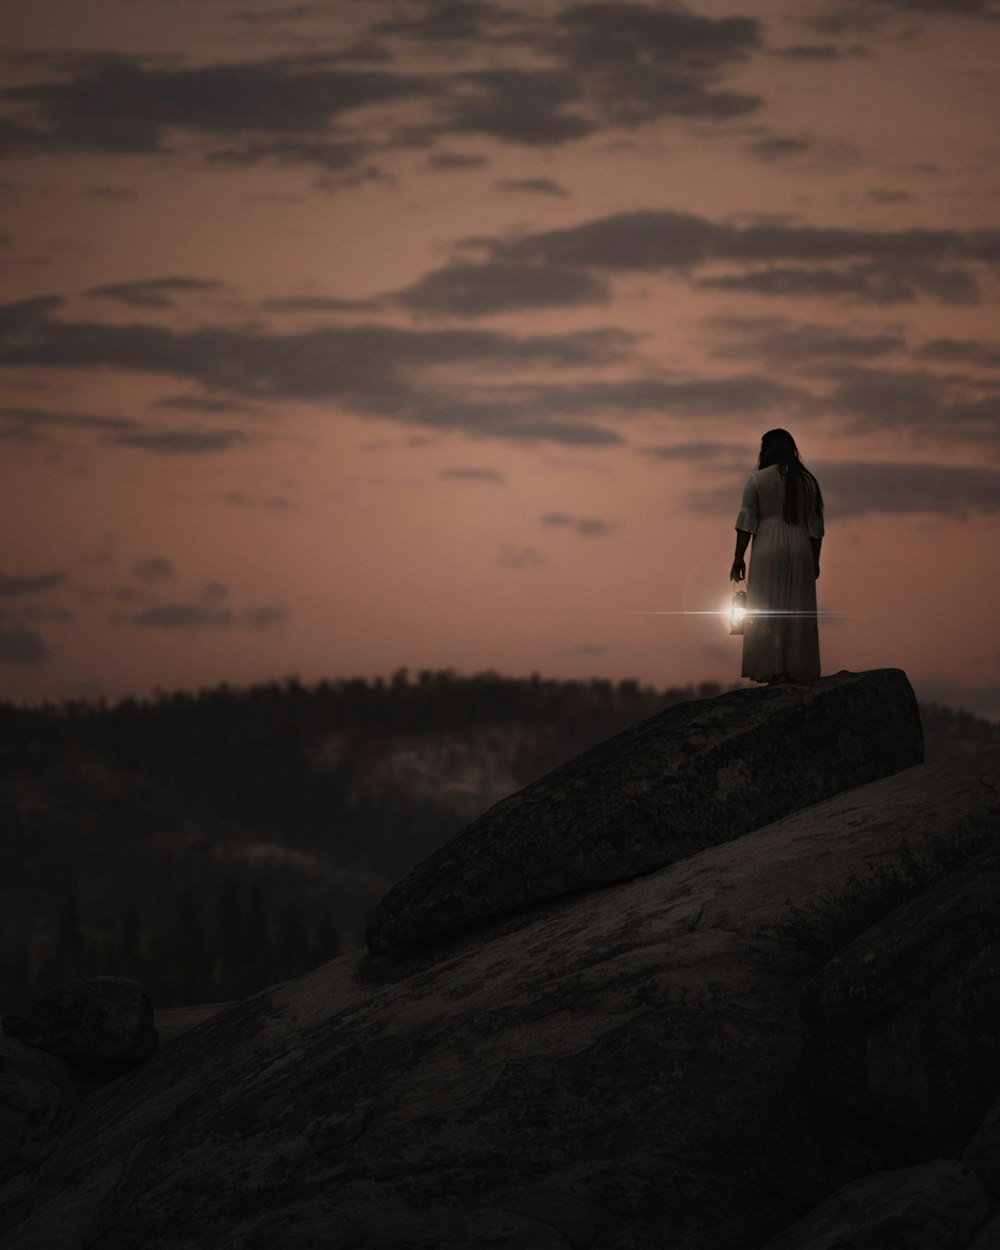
(350,335)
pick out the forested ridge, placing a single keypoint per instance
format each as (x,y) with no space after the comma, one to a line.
(214,842)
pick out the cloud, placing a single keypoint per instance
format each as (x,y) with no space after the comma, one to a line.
(966,351)
(155,569)
(924,404)
(533,186)
(284,13)
(468,289)
(180,442)
(696,452)
(651,240)
(472,475)
(153,292)
(810,51)
(118,104)
(317,303)
(804,151)
(877,283)
(374,370)
(198,403)
(857,489)
(33,612)
(532,107)
(519,557)
(241,500)
(214,592)
(641,61)
(588,526)
(447,21)
(21,646)
(266,617)
(780,341)
(104,191)
(14,584)
(456,160)
(865,15)
(889,195)
(30,425)
(177,616)
(861,488)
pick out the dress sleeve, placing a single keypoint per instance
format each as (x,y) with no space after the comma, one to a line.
(814,514)
(747,519)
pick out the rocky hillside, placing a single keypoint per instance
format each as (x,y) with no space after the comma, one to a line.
(776,1025)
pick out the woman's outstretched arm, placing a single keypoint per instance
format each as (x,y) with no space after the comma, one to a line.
(739,569)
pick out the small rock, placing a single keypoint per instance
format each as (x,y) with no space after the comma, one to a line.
(103,1020)
(983,1152)
(934,1206)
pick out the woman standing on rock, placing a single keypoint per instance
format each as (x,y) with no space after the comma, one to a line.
(783,512)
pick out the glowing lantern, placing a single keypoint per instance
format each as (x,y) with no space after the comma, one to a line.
(738,612)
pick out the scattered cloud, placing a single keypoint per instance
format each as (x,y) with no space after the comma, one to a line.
(588,526)
(214,592)
(241,500)
(153,292)
(199,403)
(511,557)
(889,195)
(317,303)
(180,442)
(696,452)
(854,489)
(30,583)
(266,617)
(468,289)
(965,351)
(533,186)
(472,475)
(782,342)
(32,425)
(105,191)
(21,646)
(177,616)
(804,151)
(155,569)
(456,160)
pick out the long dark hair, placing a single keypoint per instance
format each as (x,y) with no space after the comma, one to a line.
(778,447)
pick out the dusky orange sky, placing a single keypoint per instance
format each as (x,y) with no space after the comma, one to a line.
(339,337)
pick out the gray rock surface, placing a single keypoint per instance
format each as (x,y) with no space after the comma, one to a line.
(988,1237)
(934,1206)
(106,1020)
(621,1073)
(38,1099)
(982,1154)
(695,775)
(906,1019)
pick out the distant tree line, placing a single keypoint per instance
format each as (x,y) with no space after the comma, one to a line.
(130,834)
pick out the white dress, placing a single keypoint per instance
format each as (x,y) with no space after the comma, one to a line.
(780,635)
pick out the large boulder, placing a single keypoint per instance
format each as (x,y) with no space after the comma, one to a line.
(107,1021)
(39,1096)
(695,775)
(621,1073)
(933,1206)
(906,1019)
